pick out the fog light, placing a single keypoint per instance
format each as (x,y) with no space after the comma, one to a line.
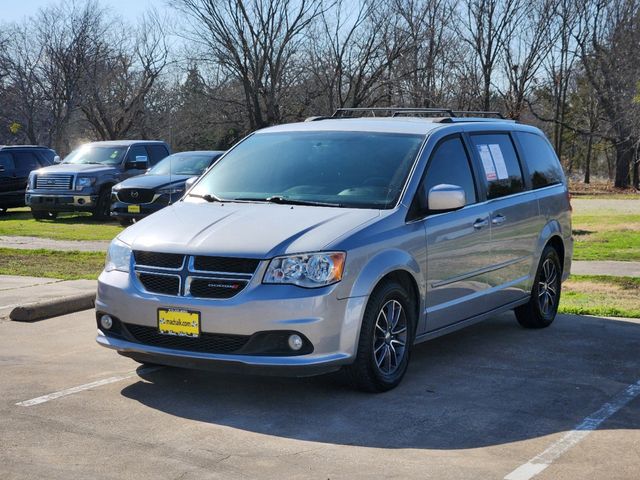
(106,322)
(295,342)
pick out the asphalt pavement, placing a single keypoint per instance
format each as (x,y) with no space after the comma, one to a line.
(491,401)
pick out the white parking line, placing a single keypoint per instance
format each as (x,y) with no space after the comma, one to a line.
(538,463)
(86,386)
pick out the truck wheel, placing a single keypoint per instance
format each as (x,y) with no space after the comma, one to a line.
(103,205)
(43,215)
(386,337)
(542,307)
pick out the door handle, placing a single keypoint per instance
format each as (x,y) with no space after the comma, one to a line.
(499,219)
(481,222)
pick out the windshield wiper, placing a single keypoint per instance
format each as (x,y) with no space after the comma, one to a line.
(290,201)
(208,197)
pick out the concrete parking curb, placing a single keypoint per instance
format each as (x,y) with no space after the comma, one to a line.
(53,308)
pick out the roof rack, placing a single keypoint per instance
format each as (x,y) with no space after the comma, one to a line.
(403,111)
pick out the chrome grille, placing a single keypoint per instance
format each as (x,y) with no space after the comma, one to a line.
(193,276)
(54,181)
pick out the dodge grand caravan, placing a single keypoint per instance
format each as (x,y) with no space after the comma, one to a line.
(340,243)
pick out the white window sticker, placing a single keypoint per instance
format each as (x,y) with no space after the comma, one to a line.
(487,162)
(498,161)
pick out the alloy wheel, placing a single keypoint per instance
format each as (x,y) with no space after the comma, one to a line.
(548,287)
(390,337)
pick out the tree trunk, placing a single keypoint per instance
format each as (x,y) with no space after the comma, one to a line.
(624,158)
(587,167)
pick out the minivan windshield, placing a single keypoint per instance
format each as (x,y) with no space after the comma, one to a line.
(342,169)
(182,164)
(89,154)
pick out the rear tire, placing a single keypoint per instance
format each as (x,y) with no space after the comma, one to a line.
(43,215)
(542,307)
(386,338)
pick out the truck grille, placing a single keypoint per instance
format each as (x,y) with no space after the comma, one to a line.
(206,342)
(54,181)
(194,276)
(135,195)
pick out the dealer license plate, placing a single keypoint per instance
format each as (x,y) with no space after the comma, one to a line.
(174,321)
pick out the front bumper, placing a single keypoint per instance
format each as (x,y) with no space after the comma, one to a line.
(301,366)
(120,210)
(331,325)
(60,202)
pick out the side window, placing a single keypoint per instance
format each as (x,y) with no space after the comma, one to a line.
(449,164)
(25,162)
(6,162)
(543,164)
(137,153)
(46,157)
(502,173)
(156,153)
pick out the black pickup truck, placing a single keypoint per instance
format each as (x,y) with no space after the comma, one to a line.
(83,181)
(16,162)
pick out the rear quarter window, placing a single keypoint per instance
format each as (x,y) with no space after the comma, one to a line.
(544,167)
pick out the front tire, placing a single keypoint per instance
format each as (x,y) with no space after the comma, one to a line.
(542,307)
(386,338)
(103,205)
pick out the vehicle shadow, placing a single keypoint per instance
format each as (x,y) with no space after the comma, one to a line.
(68,218)
(492,383)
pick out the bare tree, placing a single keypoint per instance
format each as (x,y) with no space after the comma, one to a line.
(524,54)
(487,27)
(609,58)
(430,56)
(255,41)
(118,78)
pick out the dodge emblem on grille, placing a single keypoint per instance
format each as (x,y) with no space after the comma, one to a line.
(234,286)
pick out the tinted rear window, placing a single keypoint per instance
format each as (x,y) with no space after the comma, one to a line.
(543,164)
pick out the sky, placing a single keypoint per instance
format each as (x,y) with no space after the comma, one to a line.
(16,10)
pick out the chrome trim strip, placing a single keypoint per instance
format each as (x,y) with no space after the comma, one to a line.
(481,293)
(480,271)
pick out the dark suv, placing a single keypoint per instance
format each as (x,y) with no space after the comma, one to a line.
(83,181)
(15,164)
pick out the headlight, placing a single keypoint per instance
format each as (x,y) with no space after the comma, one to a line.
(118,257)
(171,190)
(306,270)
(32,181)
(83,182)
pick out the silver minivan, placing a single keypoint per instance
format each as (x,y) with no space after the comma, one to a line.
(340,243)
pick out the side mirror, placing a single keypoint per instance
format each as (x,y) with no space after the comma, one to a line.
(189,183)
(141,162)
(57,159)
(444,198)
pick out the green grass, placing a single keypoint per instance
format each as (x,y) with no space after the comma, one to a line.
(51,263)
(19,222)
(601,295)
(606,230)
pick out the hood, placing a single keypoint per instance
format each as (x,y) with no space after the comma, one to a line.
(252,230)
(154,181)
(78,168)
